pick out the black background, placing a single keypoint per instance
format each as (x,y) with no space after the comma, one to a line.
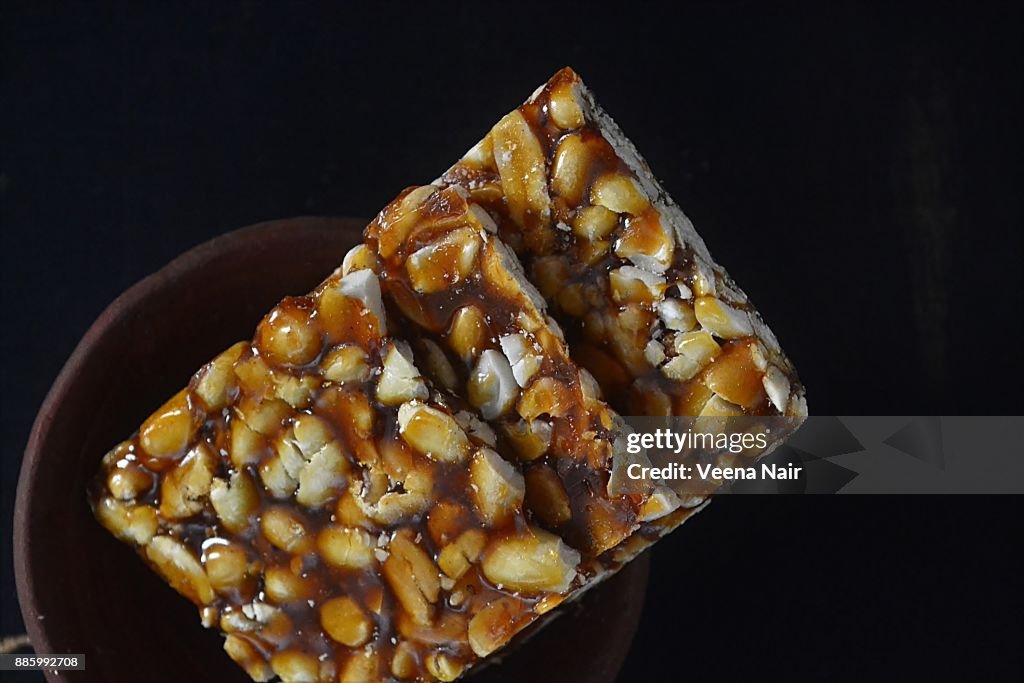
(857,169)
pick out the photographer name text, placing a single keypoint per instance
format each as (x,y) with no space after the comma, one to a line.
(678,472)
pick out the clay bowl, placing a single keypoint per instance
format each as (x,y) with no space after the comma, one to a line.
(83,592)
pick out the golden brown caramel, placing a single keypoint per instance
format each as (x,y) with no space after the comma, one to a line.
(620,266)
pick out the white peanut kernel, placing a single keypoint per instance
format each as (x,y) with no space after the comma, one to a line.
(570,169)
(532,562)
(564,106)
(721,319)
(295,667)
(776,385)
(345,548)
(184,489)
(631,284)
(285,530)
(468,332)
(413,577)
(180,569)
(432,432)
(364,286)
(131,523)
(359,257)
(442,264)
(618,193)
(677,315)
(496,487)
(595,222)
(492,385)
(167,432)
(235,501)
(521,356)
(520,161)
(695,351)
(345,622)
(400,380)
(226,565)
(346,363)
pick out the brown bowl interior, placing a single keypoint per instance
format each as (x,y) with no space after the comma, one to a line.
(81,591)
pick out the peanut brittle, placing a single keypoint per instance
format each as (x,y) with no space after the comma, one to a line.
(406,468)
(644,306)
(483,327)
(346,505)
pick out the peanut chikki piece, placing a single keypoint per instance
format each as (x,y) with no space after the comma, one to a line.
(347,506)
(662,327)
(484,333)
